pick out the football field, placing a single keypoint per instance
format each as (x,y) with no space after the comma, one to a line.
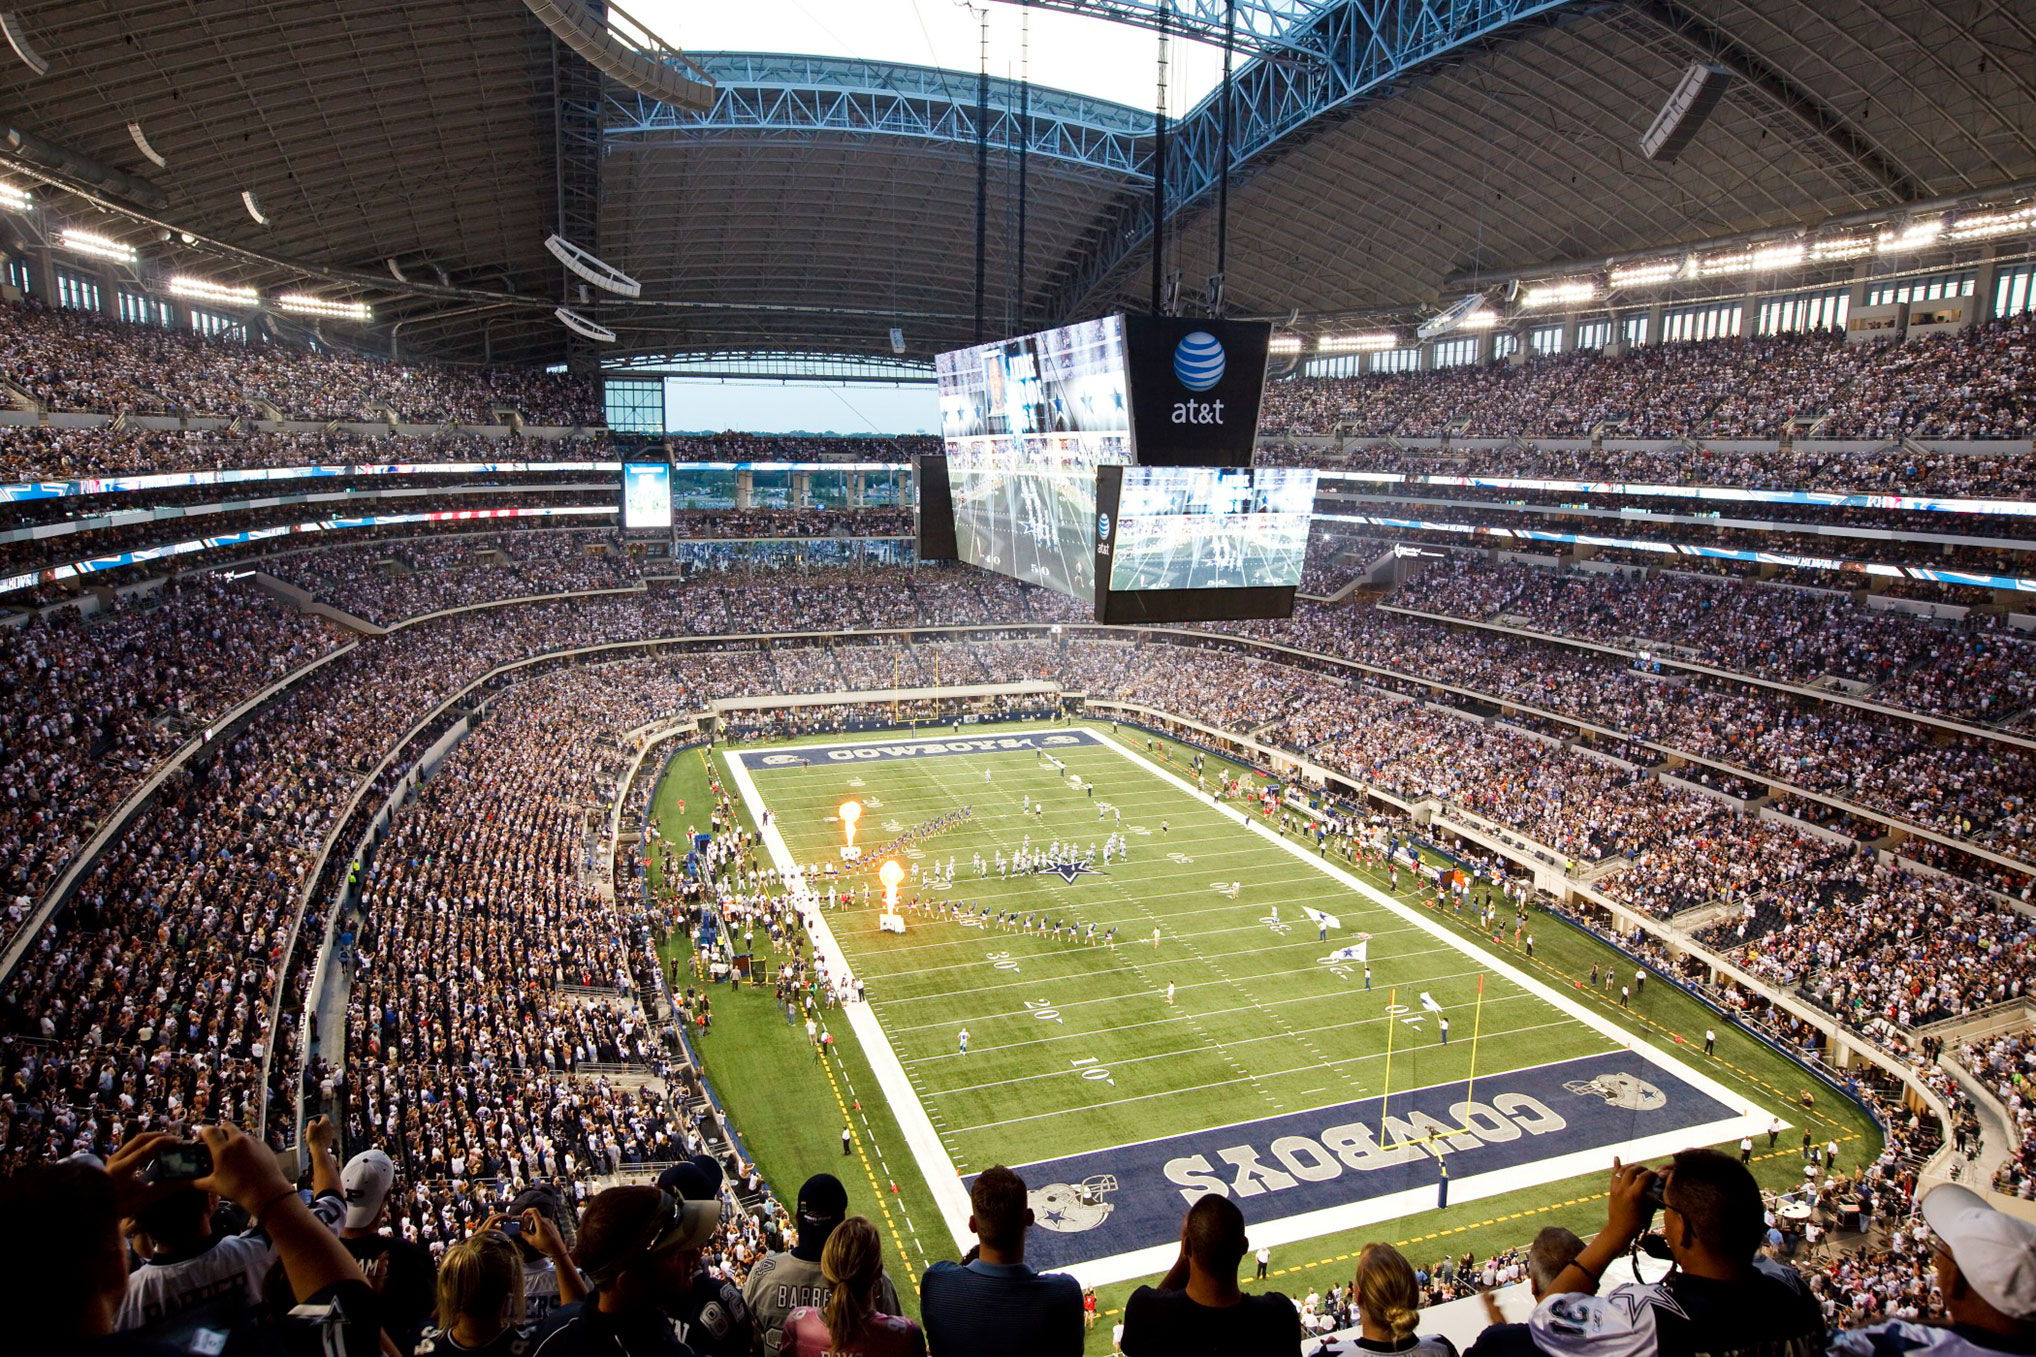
(1281,1041)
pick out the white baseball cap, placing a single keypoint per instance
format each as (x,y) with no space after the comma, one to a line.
(1995,1252)
(367,1178)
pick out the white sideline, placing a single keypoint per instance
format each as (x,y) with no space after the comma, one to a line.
(945,1182)
(920,1137)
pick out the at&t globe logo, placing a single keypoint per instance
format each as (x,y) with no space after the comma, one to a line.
(1198,361)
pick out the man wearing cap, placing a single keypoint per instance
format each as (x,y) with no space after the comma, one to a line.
(712,1317)
(401,1271)
(1986,1272)
(782,1282)
(640,1248)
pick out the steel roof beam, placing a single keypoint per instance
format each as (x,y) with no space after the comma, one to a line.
(1268,28)
(802,96)
(1375,45)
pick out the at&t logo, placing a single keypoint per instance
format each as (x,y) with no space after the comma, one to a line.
(1198,365)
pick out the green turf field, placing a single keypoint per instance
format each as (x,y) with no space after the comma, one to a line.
(1074,1045)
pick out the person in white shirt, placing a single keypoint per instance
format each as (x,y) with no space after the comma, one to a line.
(184,1265)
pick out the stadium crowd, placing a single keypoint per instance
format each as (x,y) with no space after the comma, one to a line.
(73,360)
(1975,384)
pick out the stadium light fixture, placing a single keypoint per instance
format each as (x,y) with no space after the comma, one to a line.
(14,198)
(609,278)
(141,143)
(1915,236)
(1572,292)
(1838,248)
(1987,225)
(1759,260)
(1478,320)
(583,327)
(96,245)
(1377,342)
(306,305)
(1286,345)
(1645,275)
(201,290)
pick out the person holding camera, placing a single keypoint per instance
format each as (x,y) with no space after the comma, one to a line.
(185,1264)
(1721,1298)
(67,1264)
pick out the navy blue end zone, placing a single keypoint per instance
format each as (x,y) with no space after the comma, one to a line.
(884,751)
(1114,1201)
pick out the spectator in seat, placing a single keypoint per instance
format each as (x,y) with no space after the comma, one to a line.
(1389,1306)
(713,1317)
(1986,1272)
(990,1304)
(851,1326)
(480,1301)
(65,1264)
(1553,1250)
(1197,1308)
(544,1280)
(782,1282)
(399,1270)
(1721,1299)
(185,1266)
(640,1247)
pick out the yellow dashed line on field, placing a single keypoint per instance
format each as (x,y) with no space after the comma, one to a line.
(862,1153)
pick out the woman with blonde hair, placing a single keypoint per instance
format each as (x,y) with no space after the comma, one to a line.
(850,1326)
(1389,1306)
(480,1299)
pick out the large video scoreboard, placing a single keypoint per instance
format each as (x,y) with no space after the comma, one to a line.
(1111,461)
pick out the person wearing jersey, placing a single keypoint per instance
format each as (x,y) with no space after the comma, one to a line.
(1722,1299)
(712,1316)
(67,1266)
(1986,1272)
(185,1266)
(404,1269)
(782,1282)
(541,1273)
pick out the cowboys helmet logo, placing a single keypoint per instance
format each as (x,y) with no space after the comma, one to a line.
(777,760)
(1070,1208)
(1620,1089)
(1062,739)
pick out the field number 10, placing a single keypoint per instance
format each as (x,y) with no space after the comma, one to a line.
(1091,1070)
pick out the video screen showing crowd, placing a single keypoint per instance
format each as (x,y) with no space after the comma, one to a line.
(1111,461)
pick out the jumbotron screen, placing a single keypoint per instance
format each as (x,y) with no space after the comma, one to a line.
(1026,422)
(646,496)
(1211,528)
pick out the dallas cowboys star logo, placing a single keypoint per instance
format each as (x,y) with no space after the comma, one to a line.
(1069,870)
